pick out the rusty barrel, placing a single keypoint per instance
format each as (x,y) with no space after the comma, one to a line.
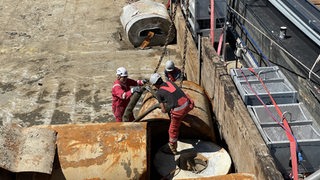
(198,122)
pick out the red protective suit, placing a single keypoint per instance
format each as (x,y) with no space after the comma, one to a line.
(173,75)
(176,118)
(121,97)
(179,103)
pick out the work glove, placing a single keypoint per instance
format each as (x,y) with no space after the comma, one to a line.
(135,89)
(144,81)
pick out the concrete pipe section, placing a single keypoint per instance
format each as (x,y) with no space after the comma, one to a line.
(144,16)
(197,124)
(218,161)
(196,139)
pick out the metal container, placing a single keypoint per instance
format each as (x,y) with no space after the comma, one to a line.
(295,113)
(305,130)
(199,17)
(277,84)
(140,17)
(308,143)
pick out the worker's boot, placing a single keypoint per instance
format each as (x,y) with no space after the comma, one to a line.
(170,148)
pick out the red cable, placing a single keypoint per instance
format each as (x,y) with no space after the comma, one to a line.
(168,4)
(289,134)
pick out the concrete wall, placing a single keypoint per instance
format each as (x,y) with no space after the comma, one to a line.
(246,147)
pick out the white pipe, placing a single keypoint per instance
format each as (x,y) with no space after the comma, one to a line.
(316,62)
(314,176)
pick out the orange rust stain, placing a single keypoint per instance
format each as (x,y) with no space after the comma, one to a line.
(77,144)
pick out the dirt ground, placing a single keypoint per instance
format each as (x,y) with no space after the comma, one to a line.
(58,60)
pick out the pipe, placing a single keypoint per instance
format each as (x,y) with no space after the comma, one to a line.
(133,101)
(198,122)
(145,16)
(152,108)
(314,176)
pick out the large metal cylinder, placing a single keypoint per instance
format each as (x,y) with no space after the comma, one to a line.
(198,122)
(143,16)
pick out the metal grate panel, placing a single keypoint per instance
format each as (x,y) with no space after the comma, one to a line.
(295,114)
(277,84)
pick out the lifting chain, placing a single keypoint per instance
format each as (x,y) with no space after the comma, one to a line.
(172,17)
(171,28)
(185,43)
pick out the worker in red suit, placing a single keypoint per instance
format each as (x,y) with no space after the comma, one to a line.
(176,103)
(122,89)
(171,72)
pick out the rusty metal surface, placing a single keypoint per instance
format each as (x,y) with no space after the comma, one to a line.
(198,121)
(27,149)
(102,151)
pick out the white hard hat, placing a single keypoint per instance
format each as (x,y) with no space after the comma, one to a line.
(154,78)
(169,65)
(121,71)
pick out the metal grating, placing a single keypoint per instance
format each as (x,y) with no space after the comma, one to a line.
(303,133)
(277,84)
(295,114)
(303,127)
(268,121)
(308,144)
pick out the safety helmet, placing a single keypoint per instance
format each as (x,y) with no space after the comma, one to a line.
(154,78)
(121,71)
(169,65)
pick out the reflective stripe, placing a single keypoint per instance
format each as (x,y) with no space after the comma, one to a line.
(182,106)
(116,85)
(124,95)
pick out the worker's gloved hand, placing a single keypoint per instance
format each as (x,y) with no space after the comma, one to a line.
(135,89)
(144,81)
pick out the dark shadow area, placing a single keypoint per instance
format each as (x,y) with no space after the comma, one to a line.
(220,141)
(7,175)
(158,129)
(56,168)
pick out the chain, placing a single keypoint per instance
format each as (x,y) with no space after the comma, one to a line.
(172,17)
(185,43)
